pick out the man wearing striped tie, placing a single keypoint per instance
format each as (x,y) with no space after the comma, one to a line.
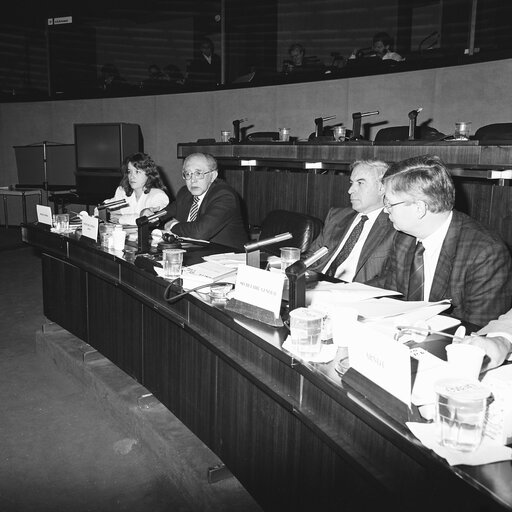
(206,208)
(440,253)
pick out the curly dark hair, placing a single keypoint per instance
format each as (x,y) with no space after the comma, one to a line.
(143,162)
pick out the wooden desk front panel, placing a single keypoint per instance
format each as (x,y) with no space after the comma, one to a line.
(64,295)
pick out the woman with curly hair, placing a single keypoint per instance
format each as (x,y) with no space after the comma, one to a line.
(141,187)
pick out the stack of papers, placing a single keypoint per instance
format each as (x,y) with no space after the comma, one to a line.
(206,273)
(230,259)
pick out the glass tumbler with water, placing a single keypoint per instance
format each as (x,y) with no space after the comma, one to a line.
(289,255)
(461,413)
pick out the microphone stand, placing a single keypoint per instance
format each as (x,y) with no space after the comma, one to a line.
(252,249)
(356,123)
(143,223)
(296,274)
(236,129)
(104,209)
(413,114)
(319,125)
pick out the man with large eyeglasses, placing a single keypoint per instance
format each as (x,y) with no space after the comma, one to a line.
(206,208)
(440,253)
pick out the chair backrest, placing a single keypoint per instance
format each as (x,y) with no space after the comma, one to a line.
(496,131)
(401,133)
(304,228)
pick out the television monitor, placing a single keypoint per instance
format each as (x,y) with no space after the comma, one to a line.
(102,147)
(60,165)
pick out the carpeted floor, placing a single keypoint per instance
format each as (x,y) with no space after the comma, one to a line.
(60,450)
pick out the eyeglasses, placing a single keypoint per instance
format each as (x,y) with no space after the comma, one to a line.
(197,175)
(388,206)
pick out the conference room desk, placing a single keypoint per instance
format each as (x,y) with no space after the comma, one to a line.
(295,434)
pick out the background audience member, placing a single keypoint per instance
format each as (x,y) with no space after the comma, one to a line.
(359,239)
(440,253)
(381,49)
(110,80)
(298,63)
(141,187)
(206,208)
(205,69)
(155,82)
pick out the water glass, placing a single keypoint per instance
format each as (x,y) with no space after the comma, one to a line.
(465,360)
(289,255)
(62,222)
(339,133)
(225,135)
(284,134)
(462,130)
(306,330)
(172,262)
(461,411)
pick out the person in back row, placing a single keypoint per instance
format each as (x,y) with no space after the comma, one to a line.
(141,187)
(359,238)
(440,253)
(206,208)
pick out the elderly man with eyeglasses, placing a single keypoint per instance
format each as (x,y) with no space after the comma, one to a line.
(206,208)
(440,253)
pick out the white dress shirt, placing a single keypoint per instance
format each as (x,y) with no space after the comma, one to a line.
(433,244)
(156,199)
(347,270)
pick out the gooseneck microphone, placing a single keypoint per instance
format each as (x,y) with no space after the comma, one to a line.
(296,273)
(252,249)
(143,223)
(113,205)
(356,123)
(413,114)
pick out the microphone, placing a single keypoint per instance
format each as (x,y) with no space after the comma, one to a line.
(252,249)
(236,128)
(356,123)
(143,244)
(413,114)
(120,203)
(296,278)
(319,124)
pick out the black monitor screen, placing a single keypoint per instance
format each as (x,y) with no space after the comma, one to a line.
(98,146)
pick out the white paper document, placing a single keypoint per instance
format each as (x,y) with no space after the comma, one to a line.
(411,311)
(343,293)
(230,259)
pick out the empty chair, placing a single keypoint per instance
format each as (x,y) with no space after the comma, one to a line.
(304,228)
(496,131)
(401,133)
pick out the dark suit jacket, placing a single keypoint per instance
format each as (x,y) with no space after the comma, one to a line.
(376,248)
(200,72)
(219,218)
(474,270)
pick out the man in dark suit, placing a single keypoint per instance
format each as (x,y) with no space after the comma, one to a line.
(440,253)
(363,259)
(205,69)
(206,208)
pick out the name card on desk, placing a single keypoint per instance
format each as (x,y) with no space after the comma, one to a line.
(90,227)
(44,214)
(381,359)
(259,288)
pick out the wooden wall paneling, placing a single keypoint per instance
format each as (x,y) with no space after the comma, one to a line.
(326,190)
(501,212)
(64,296)
(496,155)
(236,178)
(274,190)
(115,325)
(474,198)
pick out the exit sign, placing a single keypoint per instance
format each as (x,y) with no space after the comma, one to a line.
(62,20)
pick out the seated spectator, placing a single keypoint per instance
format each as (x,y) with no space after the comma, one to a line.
(141,187)
(156,81)
(299,63)
(381,49)
(204,70)
(206,208)
(440,253)
(173,75)
(110,81)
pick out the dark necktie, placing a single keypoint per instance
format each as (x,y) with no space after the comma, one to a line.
(416,279)
(347,248)
(194,209)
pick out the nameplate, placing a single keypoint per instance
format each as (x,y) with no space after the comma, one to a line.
(381,359)
(44,214)
(90,227)
(259,288)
